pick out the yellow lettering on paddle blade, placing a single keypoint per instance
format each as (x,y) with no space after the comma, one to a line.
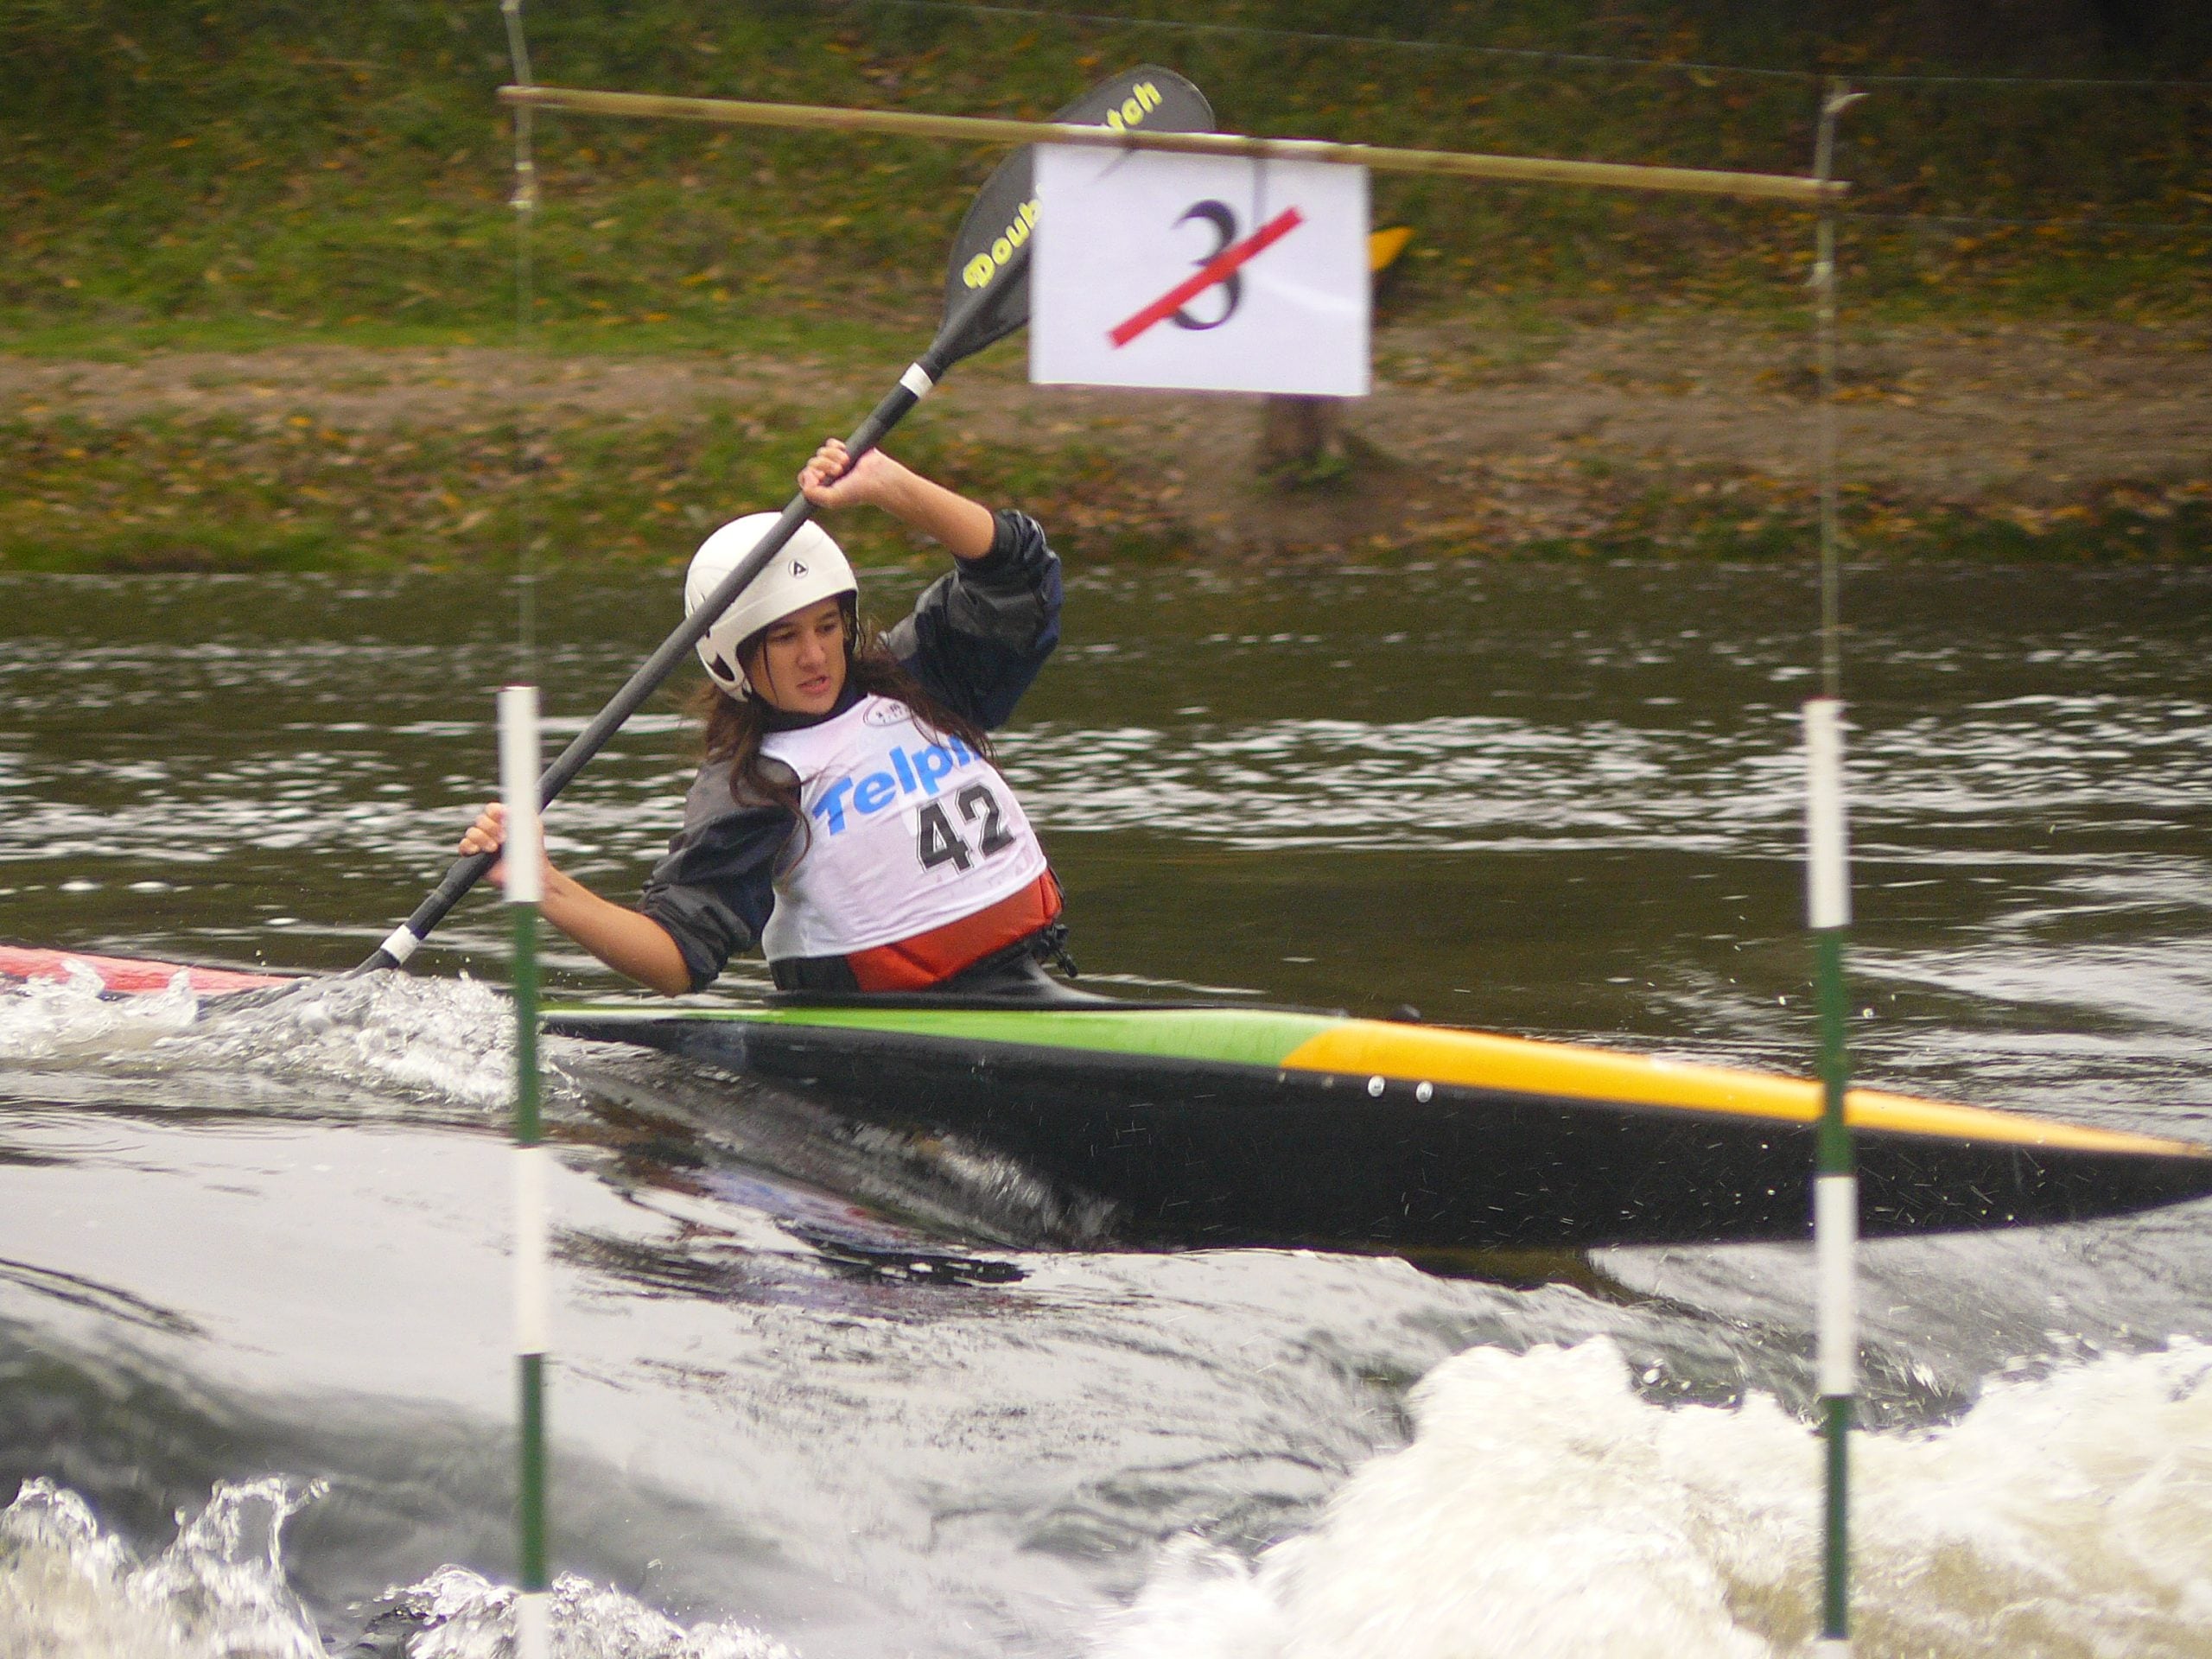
(978,271)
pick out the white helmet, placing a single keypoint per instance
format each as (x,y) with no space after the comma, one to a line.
(807,568)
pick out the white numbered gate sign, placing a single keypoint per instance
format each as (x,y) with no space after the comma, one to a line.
(1201,272)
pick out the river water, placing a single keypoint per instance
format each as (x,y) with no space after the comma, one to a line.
(254,1384)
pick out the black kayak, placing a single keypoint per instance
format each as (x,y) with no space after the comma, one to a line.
(1226,1126)
(1183,1126)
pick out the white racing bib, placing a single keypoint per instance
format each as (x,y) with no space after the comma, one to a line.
(907,830)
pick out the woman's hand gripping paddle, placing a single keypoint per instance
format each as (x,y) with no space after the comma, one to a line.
(987,298)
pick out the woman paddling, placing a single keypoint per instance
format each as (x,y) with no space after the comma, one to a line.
(846,816)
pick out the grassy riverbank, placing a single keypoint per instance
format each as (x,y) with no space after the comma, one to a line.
(172,172)
(307,200)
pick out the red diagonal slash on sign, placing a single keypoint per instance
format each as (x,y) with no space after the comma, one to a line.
(1214,271)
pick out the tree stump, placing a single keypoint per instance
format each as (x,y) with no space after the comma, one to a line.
(1302,438)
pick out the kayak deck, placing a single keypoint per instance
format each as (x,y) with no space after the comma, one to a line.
(1227,1126)
(1203,1125)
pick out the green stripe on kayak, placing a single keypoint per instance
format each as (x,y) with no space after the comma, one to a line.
(1236,1036)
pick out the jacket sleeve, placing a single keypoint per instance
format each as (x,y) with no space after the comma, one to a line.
(713,890)
(979,635)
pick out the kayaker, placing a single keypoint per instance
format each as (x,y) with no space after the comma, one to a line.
(846,816)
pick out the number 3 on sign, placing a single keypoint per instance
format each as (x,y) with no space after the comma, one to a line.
(1273,299)
(1223,217)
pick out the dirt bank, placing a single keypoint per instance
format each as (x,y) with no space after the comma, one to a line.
(1490,440)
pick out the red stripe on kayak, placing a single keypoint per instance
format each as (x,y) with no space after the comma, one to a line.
(127,972)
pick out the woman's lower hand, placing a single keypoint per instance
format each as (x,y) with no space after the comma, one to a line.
(487,835)
(626,940)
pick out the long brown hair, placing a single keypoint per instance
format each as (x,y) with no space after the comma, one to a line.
(732,730)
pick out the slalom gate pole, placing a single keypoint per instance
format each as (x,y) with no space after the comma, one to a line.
(519,753)
(1835,1182)
(1835,1185)
(526,887)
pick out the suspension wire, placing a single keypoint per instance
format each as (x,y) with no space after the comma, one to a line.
(1524,54)
(2055,83)
(525,204)
(1321,37)
(2126,227)
(1835,98)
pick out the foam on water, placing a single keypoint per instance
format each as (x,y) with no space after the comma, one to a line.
(60,1018)
(1544,1507)
(376,1036)
(447,1039)
(466,1616)
(220,1591)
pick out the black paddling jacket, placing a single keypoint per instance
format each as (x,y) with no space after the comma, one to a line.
(975,639)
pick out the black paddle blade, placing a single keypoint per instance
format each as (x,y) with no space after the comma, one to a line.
(987,287)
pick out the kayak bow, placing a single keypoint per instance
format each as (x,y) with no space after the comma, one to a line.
(129,975)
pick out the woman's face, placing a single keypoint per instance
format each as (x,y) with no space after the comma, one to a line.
(800,666)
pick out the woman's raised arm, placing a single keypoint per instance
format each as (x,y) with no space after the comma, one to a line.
(831,480)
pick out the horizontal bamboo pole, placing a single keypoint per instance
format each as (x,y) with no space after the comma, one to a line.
(1517,170)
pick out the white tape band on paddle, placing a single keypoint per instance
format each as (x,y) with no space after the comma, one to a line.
(917,380)
(519,788)
(533,1240)
(1831,1647)
(1835,1241)
(534,1625)
(1827,888)
(400,944)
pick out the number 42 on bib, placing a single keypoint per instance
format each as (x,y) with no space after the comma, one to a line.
(937,842)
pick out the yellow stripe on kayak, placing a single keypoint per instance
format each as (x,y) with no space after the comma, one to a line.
(1519,1065)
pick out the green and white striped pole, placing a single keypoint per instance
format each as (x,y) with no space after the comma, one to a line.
(1835,1184)
(1828,896)
(526,889)
(518,759)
